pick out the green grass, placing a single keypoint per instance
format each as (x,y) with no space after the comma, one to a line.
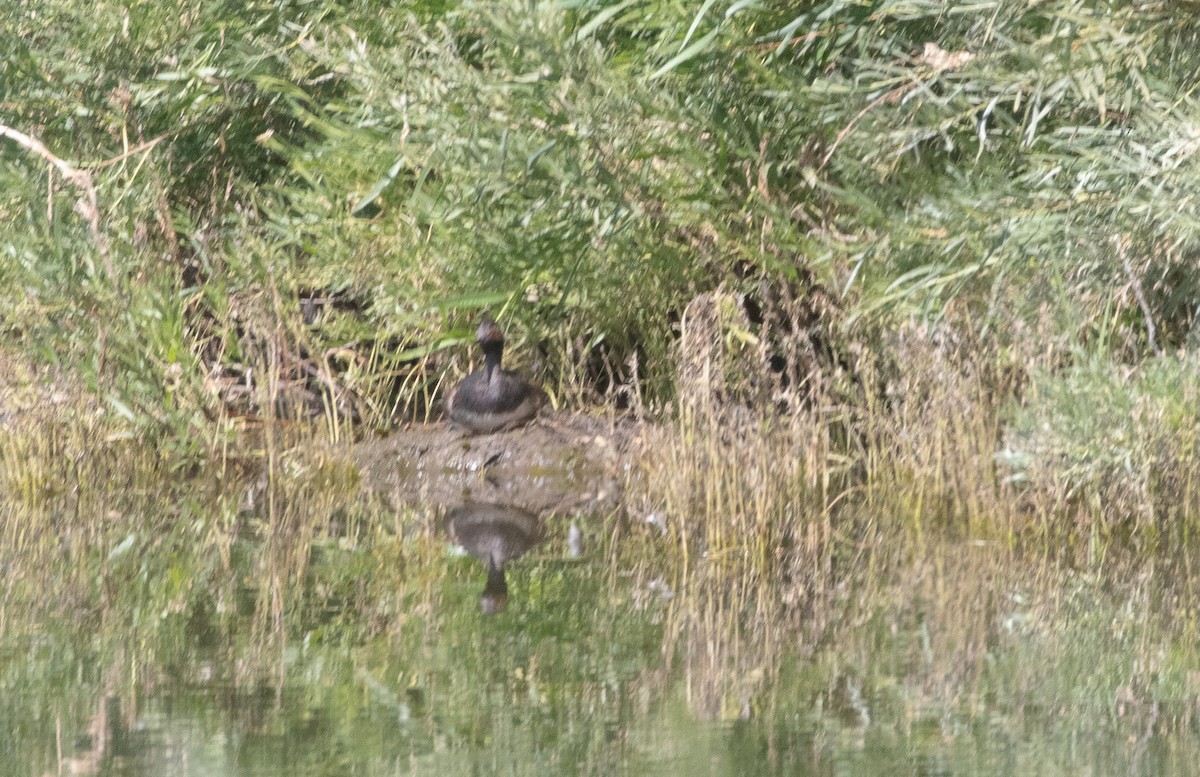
(302,207)
(1116,442)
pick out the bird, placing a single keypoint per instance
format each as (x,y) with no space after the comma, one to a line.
(493,399)
(496,534)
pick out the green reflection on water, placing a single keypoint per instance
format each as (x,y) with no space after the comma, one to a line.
(204,629)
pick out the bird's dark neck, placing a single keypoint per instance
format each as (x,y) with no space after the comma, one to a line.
(496,584)
(492,351)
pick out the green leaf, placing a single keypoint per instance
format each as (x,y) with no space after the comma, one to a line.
(691,51)
(696,22)
(599,19)
(380,185)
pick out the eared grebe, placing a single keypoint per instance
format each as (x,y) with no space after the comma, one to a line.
(491,399)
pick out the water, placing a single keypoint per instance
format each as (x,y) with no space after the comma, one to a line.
(273,627)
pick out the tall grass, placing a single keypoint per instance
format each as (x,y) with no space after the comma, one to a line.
(390,174)
(295,210)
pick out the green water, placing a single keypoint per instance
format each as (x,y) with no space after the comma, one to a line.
(219,630)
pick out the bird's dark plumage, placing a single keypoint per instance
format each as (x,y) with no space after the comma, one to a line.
(492,398)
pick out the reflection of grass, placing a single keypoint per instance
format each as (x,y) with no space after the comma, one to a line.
(290,607)
(979,641)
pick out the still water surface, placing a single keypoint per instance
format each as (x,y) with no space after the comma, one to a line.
(183,630)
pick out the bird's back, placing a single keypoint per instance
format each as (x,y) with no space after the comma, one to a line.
(487,404)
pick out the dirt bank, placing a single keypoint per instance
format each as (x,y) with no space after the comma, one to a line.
(559,463)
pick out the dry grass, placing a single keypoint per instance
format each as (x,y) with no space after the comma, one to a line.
(930,443)
(743,497)
(777,516)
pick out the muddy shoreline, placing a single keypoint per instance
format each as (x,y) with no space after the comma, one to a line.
(559,463)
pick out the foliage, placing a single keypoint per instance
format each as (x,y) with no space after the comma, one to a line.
(1119,442)
(301,205)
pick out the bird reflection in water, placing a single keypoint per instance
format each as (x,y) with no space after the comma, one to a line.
(496,534)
